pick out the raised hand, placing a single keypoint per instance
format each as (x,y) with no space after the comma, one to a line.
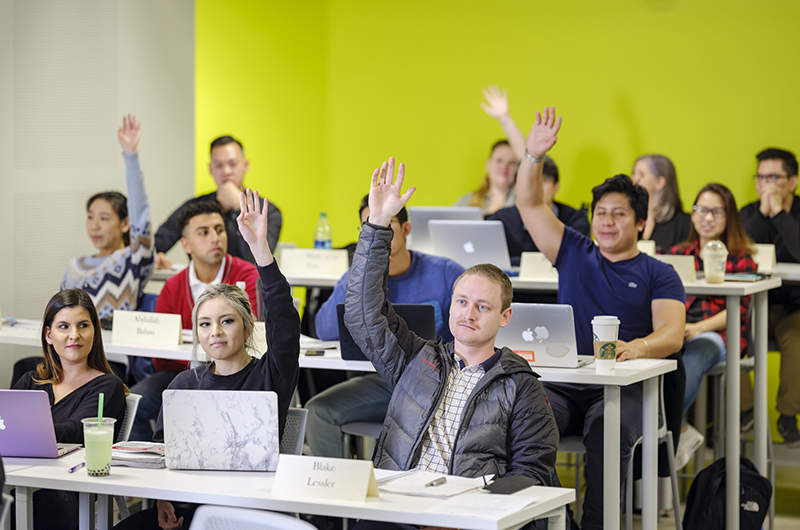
(496,104)
(253,226)
(543,135)
(385,197)
(128,134)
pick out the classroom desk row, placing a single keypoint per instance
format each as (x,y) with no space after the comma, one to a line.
(254,490)
(26,333)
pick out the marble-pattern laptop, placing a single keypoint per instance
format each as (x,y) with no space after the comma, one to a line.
(233,430)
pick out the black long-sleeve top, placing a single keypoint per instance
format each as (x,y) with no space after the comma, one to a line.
(277,370)
(81,403)
(783,231)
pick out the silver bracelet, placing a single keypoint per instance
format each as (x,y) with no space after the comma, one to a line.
(532,158)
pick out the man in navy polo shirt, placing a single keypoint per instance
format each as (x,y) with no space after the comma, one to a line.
(610,278)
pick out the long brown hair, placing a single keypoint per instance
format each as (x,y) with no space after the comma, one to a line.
(734,236)
(51,371)
(480,195)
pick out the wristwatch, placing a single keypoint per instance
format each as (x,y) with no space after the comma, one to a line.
(532,158)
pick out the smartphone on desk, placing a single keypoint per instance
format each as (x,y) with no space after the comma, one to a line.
(315,353)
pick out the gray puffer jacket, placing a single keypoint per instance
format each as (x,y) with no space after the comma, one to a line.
(507,426)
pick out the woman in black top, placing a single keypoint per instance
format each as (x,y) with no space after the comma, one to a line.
(667,223)
(74,373)
(222,322)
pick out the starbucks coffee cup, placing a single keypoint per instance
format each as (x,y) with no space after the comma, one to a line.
(605,331)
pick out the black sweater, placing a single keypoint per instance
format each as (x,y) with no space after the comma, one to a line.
(81,403)
(783,231)
(277,370)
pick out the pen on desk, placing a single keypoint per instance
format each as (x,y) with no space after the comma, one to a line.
(73,469)
(437,482)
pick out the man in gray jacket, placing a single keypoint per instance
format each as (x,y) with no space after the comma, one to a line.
(464,408)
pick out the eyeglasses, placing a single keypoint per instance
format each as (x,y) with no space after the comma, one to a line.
(702,211)
(772,179)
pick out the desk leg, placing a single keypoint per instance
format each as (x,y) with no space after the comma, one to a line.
(760,387)
(24,507)
(86,511)
(732,419)
(611,465)
(558,521)
(105,512)
(650,455)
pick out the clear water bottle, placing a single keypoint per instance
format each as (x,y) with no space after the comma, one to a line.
(322,235)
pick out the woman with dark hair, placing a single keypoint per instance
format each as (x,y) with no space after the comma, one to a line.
(119,228)
(497,189)
(74,373)
(667,223)
(714,215)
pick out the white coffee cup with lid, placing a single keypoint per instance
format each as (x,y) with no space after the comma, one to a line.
(605,331)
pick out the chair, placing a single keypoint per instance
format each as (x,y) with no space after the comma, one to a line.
(5,508)
(365,429)
(131,406)
(574,444)
(226,518)
(294,432)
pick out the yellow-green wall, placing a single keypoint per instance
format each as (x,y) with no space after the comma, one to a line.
(323,91)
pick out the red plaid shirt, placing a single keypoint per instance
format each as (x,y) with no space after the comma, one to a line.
(711,305)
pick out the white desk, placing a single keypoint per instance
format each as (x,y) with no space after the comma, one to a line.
(254,490)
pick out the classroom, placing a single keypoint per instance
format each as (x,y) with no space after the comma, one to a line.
(320,93)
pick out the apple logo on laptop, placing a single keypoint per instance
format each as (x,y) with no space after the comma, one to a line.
(541,334)
(2,424)
(469,248)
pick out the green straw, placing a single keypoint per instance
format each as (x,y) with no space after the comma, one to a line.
(100,411)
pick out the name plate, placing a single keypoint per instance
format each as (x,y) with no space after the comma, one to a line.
(259,340)
(324,478)
(140,328)
(534,265)
(314,262)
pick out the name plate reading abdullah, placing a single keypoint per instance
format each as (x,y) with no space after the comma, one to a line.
(140,328)
(324,478)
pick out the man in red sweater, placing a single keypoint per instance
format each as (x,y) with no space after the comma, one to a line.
(205,240)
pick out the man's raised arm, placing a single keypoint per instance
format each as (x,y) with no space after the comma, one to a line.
(543,226)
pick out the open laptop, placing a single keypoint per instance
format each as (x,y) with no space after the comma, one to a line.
(26,426)
(235,430)
(420,318)
(418,216)
(543,334)
(469,243)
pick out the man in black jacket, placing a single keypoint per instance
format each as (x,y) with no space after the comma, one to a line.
(775,219)
(465,408)
(228,166)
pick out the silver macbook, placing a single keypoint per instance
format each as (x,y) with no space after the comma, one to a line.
(234,430)
(543,334)
(469,243)
(418,216)
(26,426)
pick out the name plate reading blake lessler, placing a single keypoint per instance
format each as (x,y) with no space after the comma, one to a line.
(139,328)
(324,478)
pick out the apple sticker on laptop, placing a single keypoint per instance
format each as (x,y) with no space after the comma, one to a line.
(469,248)
(2,424)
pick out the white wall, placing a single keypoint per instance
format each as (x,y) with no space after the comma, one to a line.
(69,70)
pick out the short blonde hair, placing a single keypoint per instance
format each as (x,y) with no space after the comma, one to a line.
(237,300)
(492,273)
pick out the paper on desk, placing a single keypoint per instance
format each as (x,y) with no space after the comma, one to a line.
(414,485)
(482,504)
(309,343)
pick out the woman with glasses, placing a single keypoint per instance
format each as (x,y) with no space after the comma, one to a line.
(667,223)
(714,215)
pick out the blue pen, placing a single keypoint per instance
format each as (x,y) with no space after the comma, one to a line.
(73,469)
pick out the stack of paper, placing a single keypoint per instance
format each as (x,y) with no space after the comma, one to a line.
(138,454)
(415,484)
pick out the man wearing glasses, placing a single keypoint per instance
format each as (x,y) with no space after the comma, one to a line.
(775,219)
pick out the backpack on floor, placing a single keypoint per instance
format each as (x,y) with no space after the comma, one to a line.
(705,504)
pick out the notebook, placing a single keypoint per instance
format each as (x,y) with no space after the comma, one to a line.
(235,430)
(469,243)
(418,216)
(26,426)
(420,318)
(543,334)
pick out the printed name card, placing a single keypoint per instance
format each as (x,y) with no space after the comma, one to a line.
(534,265)
(325,478)
(683,265)
(314,262)
(140,328)
(259,340)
